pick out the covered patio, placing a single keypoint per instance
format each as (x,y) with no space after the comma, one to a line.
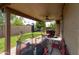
(60,12)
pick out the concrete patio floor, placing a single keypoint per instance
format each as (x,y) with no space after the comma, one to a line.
(13,51)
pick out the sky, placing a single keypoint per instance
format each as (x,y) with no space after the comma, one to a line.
(48,23)
(29,21)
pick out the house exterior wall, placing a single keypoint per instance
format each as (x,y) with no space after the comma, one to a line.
(71,27)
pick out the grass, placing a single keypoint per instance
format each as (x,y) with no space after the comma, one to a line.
(15,38)
(29,35)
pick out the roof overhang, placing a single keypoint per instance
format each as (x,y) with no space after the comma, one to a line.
(36,11)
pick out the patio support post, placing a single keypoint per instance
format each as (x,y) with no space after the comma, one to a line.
(7,31)
(57,30)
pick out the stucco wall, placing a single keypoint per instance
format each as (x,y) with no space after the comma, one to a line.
(71,27)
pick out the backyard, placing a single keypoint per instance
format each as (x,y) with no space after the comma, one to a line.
(15,38)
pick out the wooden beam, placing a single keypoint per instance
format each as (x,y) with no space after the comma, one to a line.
(2,5)
(62,21)
(21,14)
(57,30)
(7,31)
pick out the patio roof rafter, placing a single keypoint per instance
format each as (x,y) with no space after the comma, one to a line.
(3,5)
(21,14)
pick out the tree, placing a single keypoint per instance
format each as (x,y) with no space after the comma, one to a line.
(53,26)
(40,25)
(1,18)
(16,20)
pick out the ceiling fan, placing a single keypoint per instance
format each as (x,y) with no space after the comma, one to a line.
(47,19)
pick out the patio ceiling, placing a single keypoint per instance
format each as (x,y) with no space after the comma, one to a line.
(37,11)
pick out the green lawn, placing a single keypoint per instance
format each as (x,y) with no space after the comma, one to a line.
(15,38)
